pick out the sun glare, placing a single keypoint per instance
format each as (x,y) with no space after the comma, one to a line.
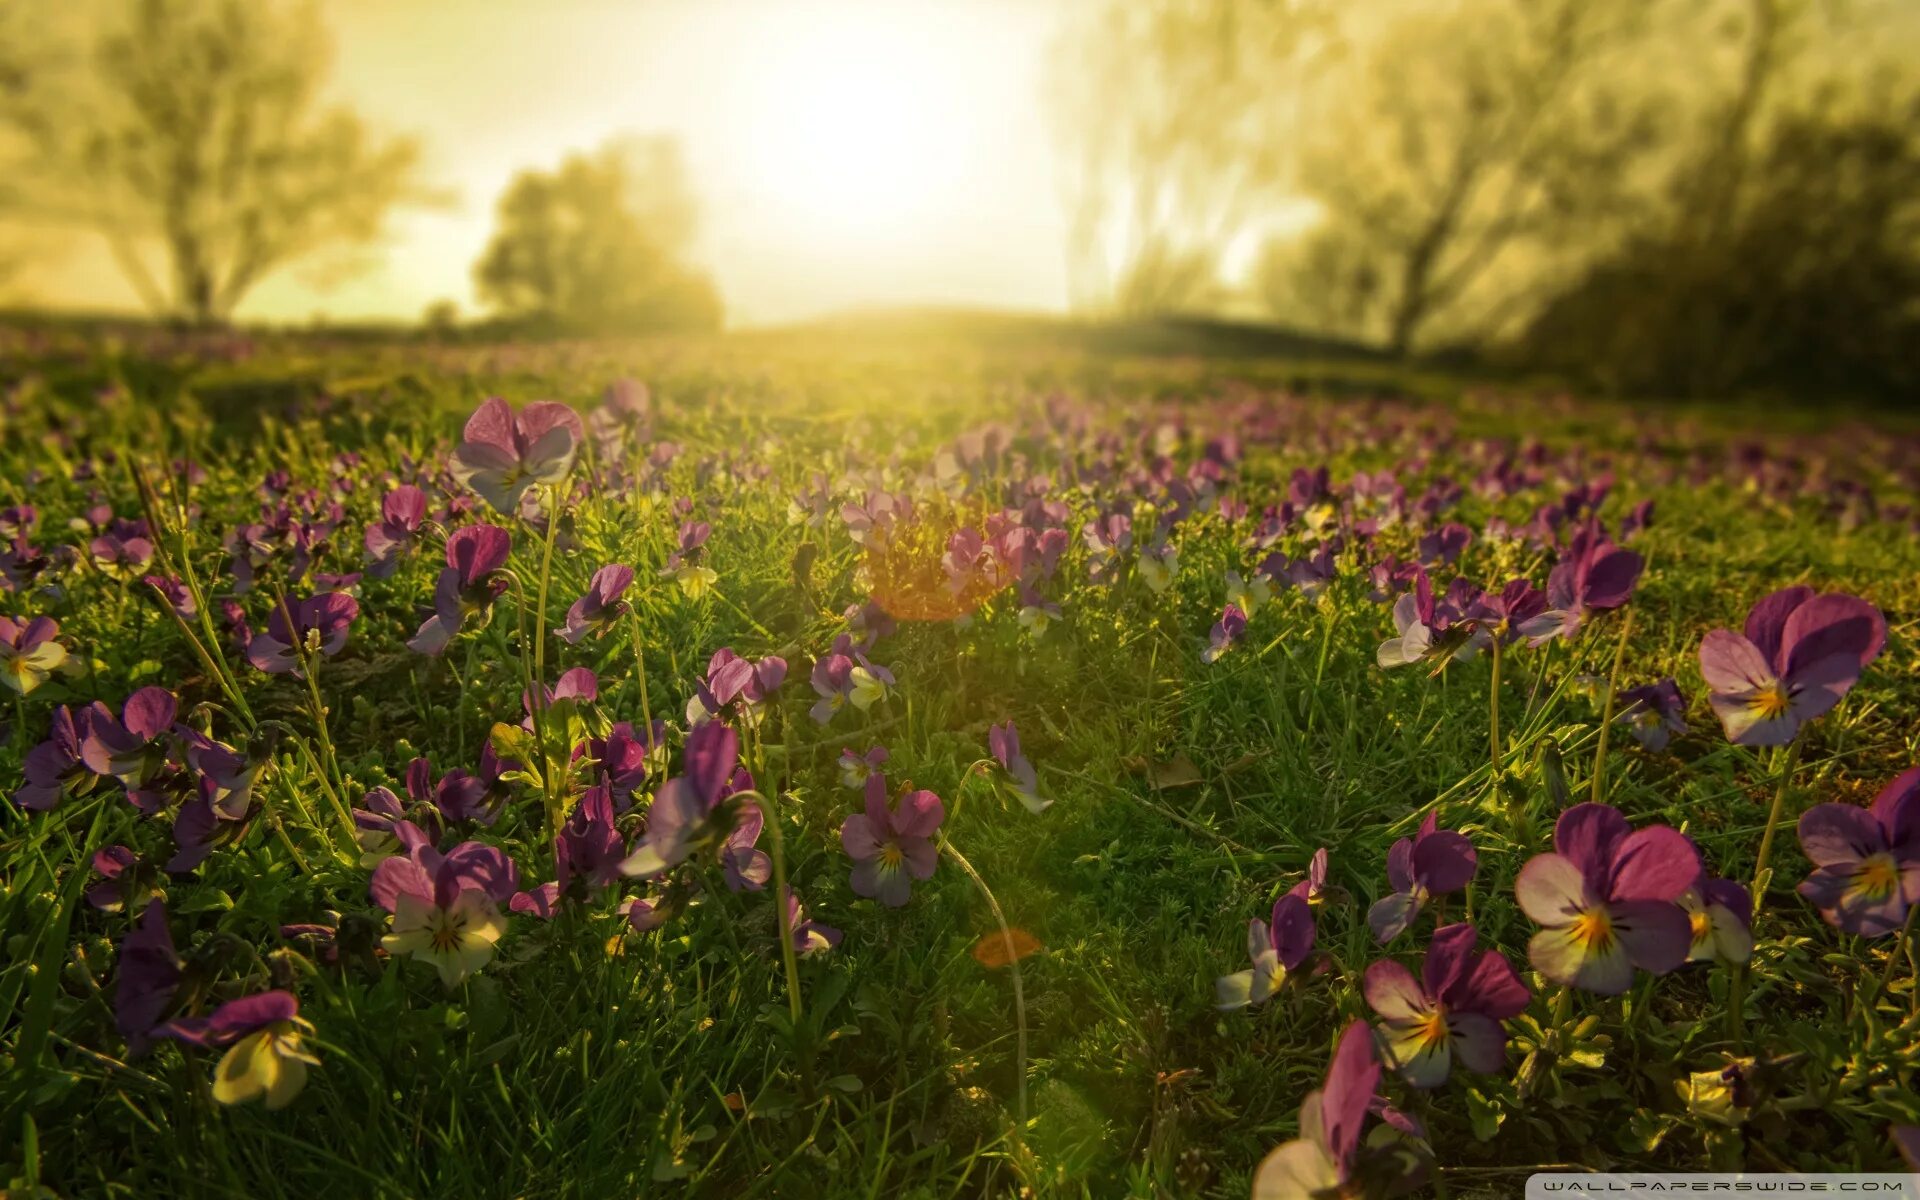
(854,124)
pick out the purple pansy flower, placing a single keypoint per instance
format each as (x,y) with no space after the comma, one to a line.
(132,749)
(1501,614)
(624,758)
(1226,631)
(1866,860)
(891,847)
(175,594)
(226,775)
(588,851)
(744,867)
(197,830)
(123,878)
(1452,1011)
(457,796)
(55,769)
(1315,882)
(690,813)
(382,826)
(1432,863)
(264,1058)
(809,936)
(28,654)
(601,606)
(1654,713)
(1594,575)
(1605,898)
(123,550)
(467,587)
(577,684)
(687,565)
(1720,915)
(1277,949)
(1428,628)
(318,624)
(735,685)
(1004,742)
(856,767)
(845,677)
(502,453)
(146,975)
(402,512)
(1444,545)
(446,907)
(1800,654)
(1312,573)
(1330,1155)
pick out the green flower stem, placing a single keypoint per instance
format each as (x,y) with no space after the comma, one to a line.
(1493,708)
(1899,950)
(537,694)
(208,652)
(640,666)
(1320,668)
(1761,876)
(1013,964)
(1606,711)
(213,670)
(1737,1005)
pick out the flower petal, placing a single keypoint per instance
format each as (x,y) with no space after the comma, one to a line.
(1444,861)
(1296,1170)
(1839,834)
(1656,934)
(1478,1042)
(1767,619)
(1588,836)
(1393,992)
(1352,1079)
(1565,958)
(1391,915)
(1551,890)
(1832,624)
(1293,930)
(1731,663)
(1655,863)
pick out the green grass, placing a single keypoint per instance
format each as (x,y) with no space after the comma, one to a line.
(1187,797)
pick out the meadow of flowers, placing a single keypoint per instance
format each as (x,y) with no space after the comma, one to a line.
(596,771)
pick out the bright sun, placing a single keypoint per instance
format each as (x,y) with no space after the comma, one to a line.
(855,122)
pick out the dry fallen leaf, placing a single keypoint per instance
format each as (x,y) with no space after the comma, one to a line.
(1178,771)
(993,952)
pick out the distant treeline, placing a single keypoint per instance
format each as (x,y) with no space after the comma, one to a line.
(1650,196)
(191,136)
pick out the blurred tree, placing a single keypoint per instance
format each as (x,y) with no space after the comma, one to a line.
(441,318)
(1805,277)
(598,245)
(1177,127)
(194,126)
(1460,139)
(1784,247)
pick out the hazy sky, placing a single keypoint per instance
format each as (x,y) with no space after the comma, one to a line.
(846,153)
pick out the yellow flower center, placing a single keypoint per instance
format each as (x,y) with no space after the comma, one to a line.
(1771,702)
(445,929)
(1877,876)
(1432,1028)
(1702,925)
(1593,929)
(891,856)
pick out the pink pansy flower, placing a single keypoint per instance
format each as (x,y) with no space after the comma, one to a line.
(503,453)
